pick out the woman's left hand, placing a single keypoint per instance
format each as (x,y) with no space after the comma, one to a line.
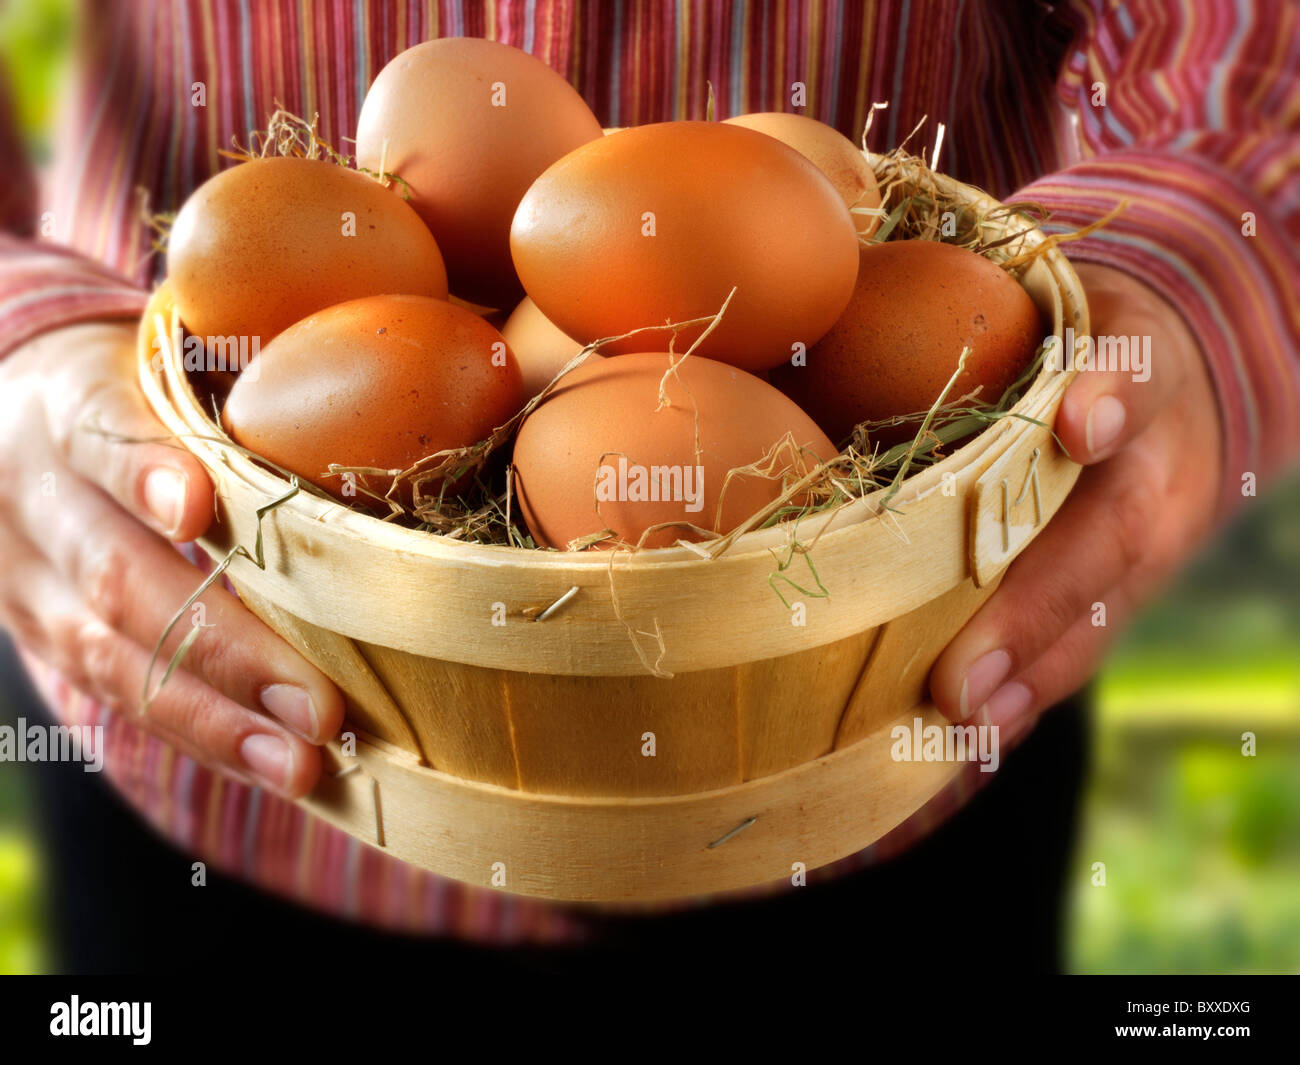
(1144,503)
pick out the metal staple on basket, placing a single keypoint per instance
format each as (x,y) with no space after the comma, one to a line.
(1032,478)
(558,604)
(1031,481)
(733,833)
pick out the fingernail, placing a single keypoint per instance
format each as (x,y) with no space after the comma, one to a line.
(292,705)
(982,679)
(1105,423)
(164,495)
(267,757)
(1008,704)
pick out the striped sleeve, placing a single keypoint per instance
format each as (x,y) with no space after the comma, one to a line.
(43,286)
(1191,112)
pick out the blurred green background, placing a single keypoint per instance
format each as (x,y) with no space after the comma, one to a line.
(35,39)
(1200,844)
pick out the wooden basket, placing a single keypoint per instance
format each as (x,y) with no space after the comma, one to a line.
(515,755)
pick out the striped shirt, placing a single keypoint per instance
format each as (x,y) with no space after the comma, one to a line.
(1189,109)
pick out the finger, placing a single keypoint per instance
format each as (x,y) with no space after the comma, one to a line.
(1130,378)
(1068,664)
(1057,580)
(1016,707)
(93,422)
(1061,670)
(185,712)
(134,582)
(20,598)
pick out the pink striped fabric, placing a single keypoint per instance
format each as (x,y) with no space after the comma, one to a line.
(1198,129)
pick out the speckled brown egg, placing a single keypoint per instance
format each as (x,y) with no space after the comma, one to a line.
(830,152)
(268,242)
(377,382)
(601,452)
(916,305)
(468,124)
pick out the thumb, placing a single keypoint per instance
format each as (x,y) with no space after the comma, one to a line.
(1139,350)
(100,420)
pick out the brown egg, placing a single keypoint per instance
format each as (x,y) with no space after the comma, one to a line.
(917,303)
(600,451)
(540,347)
(468,124)
(376,382)
(268,242)
(658,223)
(830,151)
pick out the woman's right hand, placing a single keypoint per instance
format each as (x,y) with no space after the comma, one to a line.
(89,582)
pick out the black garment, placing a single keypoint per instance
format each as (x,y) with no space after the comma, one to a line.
(983,895)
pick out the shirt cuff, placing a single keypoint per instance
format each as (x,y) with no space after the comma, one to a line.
(44,286)
(1225,261)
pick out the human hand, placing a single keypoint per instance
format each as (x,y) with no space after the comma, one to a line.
(1145,501)
(89,583)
